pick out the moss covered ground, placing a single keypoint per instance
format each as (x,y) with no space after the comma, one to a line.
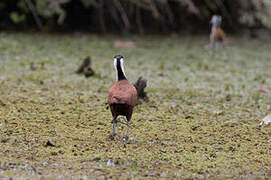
(201,121)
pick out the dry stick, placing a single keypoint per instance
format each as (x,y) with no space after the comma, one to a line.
(122,14)
(33,10)
(154,9)
(191,7)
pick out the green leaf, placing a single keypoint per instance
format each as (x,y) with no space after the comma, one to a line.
(16,17)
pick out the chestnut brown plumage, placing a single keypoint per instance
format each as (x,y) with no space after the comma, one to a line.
(218,35)
(122,96)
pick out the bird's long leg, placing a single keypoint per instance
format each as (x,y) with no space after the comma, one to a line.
(117,129)
(212,43)
(128,118)
(127,133)
(114,126)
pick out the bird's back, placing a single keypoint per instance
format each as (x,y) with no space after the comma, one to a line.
(122,92)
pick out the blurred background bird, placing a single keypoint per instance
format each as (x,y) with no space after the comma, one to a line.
(85,68)
(217,36)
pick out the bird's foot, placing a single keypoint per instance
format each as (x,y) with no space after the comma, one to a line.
(111,137)
(122,122)
(126,138)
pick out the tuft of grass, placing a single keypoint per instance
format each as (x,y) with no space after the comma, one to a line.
(190,128)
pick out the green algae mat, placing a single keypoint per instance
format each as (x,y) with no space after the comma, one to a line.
(201,120)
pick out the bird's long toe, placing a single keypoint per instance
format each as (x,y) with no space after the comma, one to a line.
(126,138)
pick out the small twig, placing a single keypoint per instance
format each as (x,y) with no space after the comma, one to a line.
(35,14)
(192,8)
(154,9)
(123,14)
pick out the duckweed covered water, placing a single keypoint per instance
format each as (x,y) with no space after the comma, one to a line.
(201,121)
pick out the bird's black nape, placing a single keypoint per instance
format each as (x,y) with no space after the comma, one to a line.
(118,57)
(118,63)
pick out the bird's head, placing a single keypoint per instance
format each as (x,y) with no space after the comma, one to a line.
(216,20)
(118,64)
(118,58)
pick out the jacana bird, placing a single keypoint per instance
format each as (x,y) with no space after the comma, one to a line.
(122,96)
(217,36)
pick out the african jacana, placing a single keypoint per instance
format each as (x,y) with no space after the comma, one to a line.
(217,36)
(122,96)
